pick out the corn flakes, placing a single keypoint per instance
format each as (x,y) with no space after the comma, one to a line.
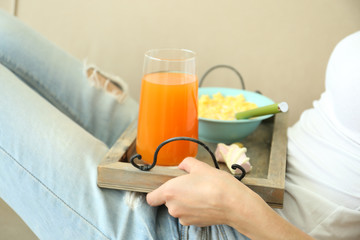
(223,107)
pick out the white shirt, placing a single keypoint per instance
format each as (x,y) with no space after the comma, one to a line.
(323,170)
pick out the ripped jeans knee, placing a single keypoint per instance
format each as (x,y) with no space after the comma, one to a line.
(113,85)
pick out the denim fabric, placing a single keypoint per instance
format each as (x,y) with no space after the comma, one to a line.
(54,130)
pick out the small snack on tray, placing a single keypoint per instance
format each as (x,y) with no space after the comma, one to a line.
(233,154)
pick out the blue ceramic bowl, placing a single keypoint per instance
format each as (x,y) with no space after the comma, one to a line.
(230,131)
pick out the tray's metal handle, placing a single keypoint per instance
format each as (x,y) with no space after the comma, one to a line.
(147,167)
(223,66)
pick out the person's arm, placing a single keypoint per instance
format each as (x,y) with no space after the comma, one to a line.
(207,196)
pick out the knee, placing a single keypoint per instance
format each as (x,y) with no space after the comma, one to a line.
(109,83)
(8,27)
(12,34)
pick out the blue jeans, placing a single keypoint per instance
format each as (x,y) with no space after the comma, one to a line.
(55,127)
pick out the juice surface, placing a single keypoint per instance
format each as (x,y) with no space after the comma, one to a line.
(168,108)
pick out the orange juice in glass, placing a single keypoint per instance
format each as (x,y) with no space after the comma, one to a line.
(168,106)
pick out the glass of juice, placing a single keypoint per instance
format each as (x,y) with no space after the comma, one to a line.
(168,106)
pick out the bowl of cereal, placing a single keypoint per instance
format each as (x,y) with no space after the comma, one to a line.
(217,109)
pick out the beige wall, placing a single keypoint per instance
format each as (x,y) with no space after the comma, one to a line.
(281,47)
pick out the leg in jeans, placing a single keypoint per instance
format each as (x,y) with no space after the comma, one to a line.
(60,79)
(54,130)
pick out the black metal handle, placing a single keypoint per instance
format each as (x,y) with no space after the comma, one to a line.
(243,172)
(223,66)
(147,167)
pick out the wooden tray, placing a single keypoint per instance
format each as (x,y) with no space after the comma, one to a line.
(266,147)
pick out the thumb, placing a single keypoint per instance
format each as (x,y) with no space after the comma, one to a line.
(156,197)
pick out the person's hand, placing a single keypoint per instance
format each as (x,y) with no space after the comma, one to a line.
(203,197)
(208,196)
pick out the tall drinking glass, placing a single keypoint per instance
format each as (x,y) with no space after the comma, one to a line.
(168,106)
